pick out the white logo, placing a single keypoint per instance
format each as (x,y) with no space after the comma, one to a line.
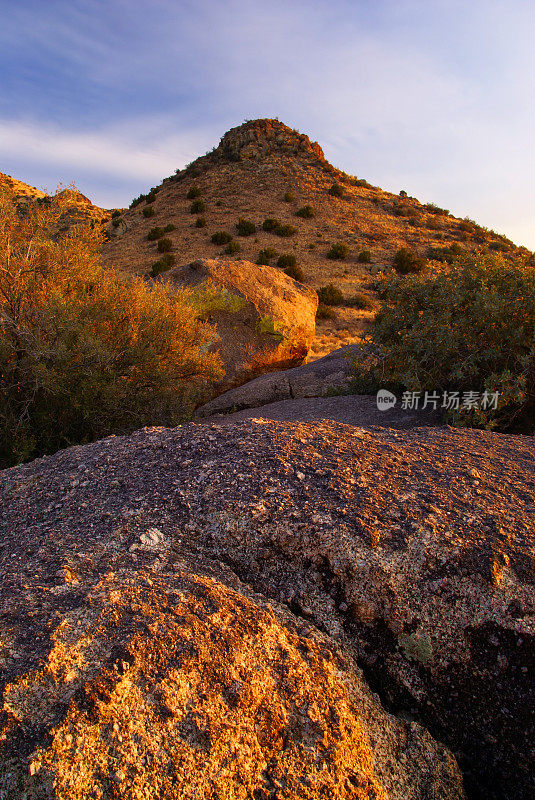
(385,399)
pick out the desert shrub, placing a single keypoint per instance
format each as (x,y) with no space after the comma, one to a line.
(266,256)
(325,312)
(288,197)
(433,224)
(445,254)
(338,250)
(245,227)
(193,193)
(336,190)
(200,222)
(466,225)
(406,262)
(286,260)
(306,212)
(295,272)
(330,295)
(403,193)
(85,352)
(154,234)
(148,211)
(116,222)
(434,209)
(468,327)
(232,247)
(500,247)
(168,228)
(364,257)
(270,224)
(285,230)
(162,265)
(360,301)
(219,203)
(164,245)
(151,196)
(221,237)
(137,200)
(115,213)
(197,207)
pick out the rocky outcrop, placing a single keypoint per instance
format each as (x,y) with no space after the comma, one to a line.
(264,319)
(184,612)
(259,138)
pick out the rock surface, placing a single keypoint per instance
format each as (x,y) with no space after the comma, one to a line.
(272,325)
(156,584)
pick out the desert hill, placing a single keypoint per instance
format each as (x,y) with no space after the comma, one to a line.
(201,612)
(248,176)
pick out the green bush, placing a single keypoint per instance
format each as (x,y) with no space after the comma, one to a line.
(200,222)
(154,234)
(85,352)
(286,260)
(406,262)
(232,247)
(288,197)
(116,222)
(330,295)
(266,256)
(364,257)
(115,213)
(148,211)
(162,265)
(285,230)
(360,301)
(466,327)
(336,190)
(295,272)
(434,209)
(168,228)
(445,254)
(270,224)
(164,245)
(339,250)
(221,237)
(325,312)
(245,227)
(193,193)
(137,200)
(197,207)
(306,212)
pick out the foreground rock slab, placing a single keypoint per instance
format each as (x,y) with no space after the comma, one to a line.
(187,613)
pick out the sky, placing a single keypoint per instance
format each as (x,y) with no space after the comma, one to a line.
(431,96)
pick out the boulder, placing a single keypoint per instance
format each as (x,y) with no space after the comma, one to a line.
(186,613)
(265,320)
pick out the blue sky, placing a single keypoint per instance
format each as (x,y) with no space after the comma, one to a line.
(429,96)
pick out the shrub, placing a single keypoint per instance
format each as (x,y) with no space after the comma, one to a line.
(464,327)
(445,254)
(364,257)
(232,247)
(330,295)
(162,265)
(115,213)
(336,190)
(288,197)
(307,212)
(466,225)
(116,222)
(270,224)
(266,255)
(245,227)
(296,273)
(403,193)
(339,250)
(151,196)
(325,312)
(137,200)
(285,230)
(200,222)
(434,209)
(406,262)
(83,352)
(168,228)
(219,203)
(197,207)
(193,193)
(221,237)
(286,260)
(164,245)
(154,234)
(148,211)
(360,301)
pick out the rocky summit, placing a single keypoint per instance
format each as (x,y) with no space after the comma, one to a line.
(270,610)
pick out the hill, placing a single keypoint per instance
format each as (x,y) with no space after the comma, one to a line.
(264,170)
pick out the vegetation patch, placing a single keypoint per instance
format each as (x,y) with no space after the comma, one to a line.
(339,250)
(165,245)
(330,295)
(270,224)
(232,247)
(197,207)
(364,257)
(245,227)
(286,260)
(336,190)
(193,193)
(162,265)
(406,262)
(154,234)
(221,237)
(200,222)
(306,212)
(296,273)
(325,312)
(285,230)
(266,256)
(148,211)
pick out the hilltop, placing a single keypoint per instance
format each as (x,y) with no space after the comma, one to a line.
(265,170)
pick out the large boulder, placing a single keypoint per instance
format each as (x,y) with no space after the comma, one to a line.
(155,583)
(265,320)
